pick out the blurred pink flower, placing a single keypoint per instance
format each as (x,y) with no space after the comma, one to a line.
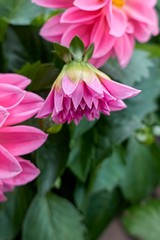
(112,25)
(17,105)
(54,3)
(82,90)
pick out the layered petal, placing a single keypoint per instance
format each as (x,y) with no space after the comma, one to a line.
(3,115)
(28,174)
(9,166)
(20,140)
(15,80)
(90,5)
(27,108)
(10,96)
(78,16)
(104,41)
(118,23)
(53,30)
(124,47)
(118,90)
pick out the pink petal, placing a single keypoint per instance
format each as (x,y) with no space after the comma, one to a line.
(75,15)
(102,40)
(77,29)
(14,79)
(48,105)
(3,115)
(9,165)
(116,105)
(150,3)
(118,90)
(28,174)
(20,140)
(54,3)
(27,108)
(90,5)
(68,85)
(87,98)
(139,11)
(124,47)
(118,22)
(58,100)
(52,30)
(95,85)
(10,96)
(142,32)
(77,95)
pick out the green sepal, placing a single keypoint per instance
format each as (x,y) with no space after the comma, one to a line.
(63,52)
(77,48)
(88,53)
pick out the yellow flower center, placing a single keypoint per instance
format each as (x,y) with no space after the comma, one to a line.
(118,3)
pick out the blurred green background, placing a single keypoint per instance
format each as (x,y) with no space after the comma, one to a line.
(94,172)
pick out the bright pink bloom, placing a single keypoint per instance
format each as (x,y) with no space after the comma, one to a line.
(112,25)
(17,105)
(82,90)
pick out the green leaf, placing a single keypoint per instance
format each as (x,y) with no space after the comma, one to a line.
(152,49)
(3,29)
(142,174)
(142,221)
(102,208)
(13,211)
(108,173)
(83,127)
(19,12)
(53,218)
(81,155)
(63,52)
(42,75)
(23,45)
(88,53)
(51,159)
(77,48)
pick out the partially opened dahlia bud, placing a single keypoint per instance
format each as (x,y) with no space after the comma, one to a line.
(82,90)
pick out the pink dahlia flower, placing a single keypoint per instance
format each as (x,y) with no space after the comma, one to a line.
(17,105)
(82,90)
(112,25)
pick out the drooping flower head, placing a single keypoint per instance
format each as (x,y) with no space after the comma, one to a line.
(112,25)
(17,105)
(82,90)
